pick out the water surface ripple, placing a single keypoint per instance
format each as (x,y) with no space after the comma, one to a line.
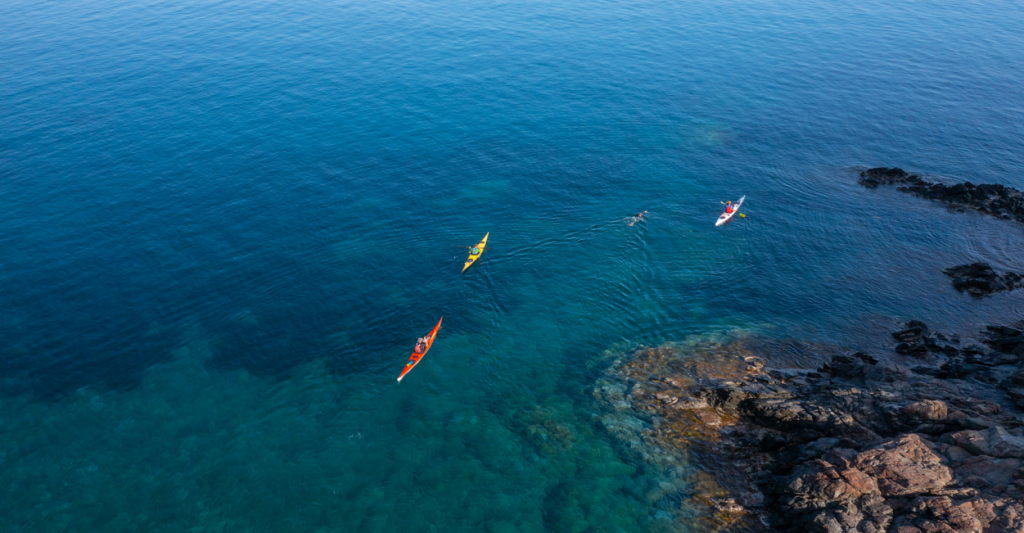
(225,223)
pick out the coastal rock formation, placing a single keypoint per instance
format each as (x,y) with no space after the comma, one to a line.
(979,279)
(1006,339)
(852,446)
(991,199)
(917,339)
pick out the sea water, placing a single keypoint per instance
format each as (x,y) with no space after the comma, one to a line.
(223,224)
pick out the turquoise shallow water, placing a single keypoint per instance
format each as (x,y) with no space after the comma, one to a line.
(225,224)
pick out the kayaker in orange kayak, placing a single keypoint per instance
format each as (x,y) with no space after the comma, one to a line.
(422,346)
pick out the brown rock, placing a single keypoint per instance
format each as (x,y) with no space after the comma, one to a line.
(816,484)
(1011,519)
(970,516)
(859,481)
(708,417)
(941,514)
(904,466)
(692,403)
(927,410)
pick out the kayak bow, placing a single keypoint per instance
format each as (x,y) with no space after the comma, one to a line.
(416,357)
(472,258)
(735,209)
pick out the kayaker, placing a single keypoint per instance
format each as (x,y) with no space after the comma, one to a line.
(728,207)
(421,344)
(475,251)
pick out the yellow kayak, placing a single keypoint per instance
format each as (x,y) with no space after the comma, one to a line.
(479,249)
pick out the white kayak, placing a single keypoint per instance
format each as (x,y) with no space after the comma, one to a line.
(735,209)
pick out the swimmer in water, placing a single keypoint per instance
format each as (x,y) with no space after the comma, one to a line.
(637,218)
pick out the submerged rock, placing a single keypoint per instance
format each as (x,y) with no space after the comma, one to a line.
(991,199)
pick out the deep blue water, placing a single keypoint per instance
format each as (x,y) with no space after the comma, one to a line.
(225,223)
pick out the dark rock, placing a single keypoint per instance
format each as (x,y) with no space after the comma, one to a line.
(993,471)
(1017,395)
(850,366)
(1005,339)
(873,177)
(729,397)
(916,339)
(979,279)
(905,348)
(956,369)
(991,199)
(943,514)
(926,370)
(817,448)
(842,457)
(986,408)
(913,332)
(870,514)
(1017,378)
(994,441)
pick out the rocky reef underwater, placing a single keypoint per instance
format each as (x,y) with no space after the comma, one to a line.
(786,435)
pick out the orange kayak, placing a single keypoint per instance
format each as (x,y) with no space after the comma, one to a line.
(415,359)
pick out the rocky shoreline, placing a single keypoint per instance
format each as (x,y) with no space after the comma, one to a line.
(933,442)
(794,436)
